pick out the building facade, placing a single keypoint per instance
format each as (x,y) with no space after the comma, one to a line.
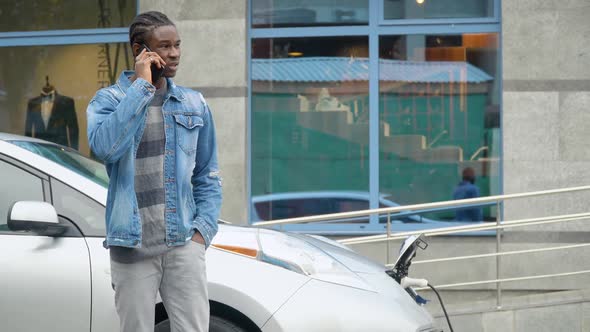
(332,106)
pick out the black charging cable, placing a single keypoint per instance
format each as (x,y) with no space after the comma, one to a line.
(442,305)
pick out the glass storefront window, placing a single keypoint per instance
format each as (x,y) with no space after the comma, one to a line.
(299,13)
(35,15)
(439,96)
(46,92)
(437,9)
(310,124)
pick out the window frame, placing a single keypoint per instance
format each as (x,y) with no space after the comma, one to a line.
(495,18)
(66,36)
(82,226)
(250,20)
(73,228)
(377,27)
(44,179)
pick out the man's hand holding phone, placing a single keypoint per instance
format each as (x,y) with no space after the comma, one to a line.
(149,65)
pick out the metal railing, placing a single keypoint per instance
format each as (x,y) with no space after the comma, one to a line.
(499,225)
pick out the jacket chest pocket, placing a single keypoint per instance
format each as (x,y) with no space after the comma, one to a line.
(187,131)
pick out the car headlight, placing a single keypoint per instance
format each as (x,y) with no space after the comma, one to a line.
(288,252)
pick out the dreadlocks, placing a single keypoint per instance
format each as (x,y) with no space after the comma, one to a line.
(144,23)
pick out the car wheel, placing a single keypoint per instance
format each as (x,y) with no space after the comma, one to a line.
(216,324)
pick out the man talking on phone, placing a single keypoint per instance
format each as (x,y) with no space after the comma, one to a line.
(158,143)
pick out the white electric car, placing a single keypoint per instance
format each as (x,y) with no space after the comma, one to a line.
(55,275)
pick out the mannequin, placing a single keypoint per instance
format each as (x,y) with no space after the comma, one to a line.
(52,117)
(47,100)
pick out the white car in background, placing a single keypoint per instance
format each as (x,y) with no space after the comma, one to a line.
(55,274)
(286,205)
(311,203)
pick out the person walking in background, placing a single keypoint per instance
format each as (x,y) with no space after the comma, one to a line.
(158,142)
(467,189)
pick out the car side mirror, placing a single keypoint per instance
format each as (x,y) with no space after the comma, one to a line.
(37,217)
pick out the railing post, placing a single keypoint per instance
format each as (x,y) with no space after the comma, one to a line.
(498,262)
(388,244)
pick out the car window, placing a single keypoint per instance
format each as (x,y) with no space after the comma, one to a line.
(294,208)
(288,208)
(262,210)
(316,206)
(279,209)
(86,213)
(69,158)
(16,184)
(349,205)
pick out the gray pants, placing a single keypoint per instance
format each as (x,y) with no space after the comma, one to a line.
(181,278)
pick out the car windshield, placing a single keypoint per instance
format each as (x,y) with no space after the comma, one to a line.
(70,159)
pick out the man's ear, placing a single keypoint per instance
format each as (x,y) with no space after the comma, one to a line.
(136,49)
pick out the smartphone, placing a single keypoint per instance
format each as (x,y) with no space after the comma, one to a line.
(156,72)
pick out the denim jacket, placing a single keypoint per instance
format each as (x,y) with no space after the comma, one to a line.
(116,120)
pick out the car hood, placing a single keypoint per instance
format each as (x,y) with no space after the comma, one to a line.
(344,255)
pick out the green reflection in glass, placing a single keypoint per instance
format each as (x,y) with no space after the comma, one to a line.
(438,96)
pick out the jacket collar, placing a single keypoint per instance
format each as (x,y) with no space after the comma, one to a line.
(124,83)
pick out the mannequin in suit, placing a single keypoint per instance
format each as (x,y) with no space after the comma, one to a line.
(52,117)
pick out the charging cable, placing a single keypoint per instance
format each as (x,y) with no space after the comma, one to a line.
(411,282)
(442,305)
